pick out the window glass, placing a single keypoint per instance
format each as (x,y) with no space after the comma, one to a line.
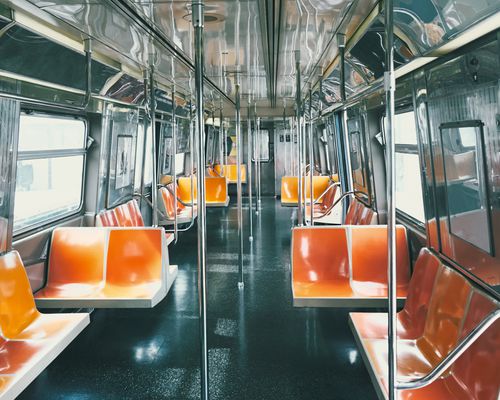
(465,183)
(179,163)
(357,159)
(40,133)
(409,198)
(261,143)
(49,182)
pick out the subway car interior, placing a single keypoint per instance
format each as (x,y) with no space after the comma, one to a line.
(250,199)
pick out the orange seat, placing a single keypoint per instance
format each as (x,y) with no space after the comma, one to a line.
(107,267)
(184,189)
(289,191)
(345,266)
(320,183)
(442,308)
(216,191)
(230,171)
(125,215)
(29,340)
(325,206)
(184,213)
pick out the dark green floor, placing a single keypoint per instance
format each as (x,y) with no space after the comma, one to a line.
(260,346)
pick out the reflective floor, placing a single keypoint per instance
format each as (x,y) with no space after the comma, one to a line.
(260,346)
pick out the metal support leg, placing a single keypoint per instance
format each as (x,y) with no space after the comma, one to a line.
(249,177)
(239,155)
(198,23)
(300,218)
(390,87)
(152,118)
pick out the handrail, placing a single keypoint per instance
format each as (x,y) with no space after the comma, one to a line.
(447,361)
(330,186)
(159,212)
(173,194)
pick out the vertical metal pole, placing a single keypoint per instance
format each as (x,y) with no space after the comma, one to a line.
(298,110)
(254,148)
(154,189)
(144,139)
(198,24)
(221,141)
(239,155)
(174,166)
(390,87)
(249,172)
(341,44)
(258,158)
(191,162)
(311,157)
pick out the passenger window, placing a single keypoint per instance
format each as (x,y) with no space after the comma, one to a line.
(466,194)
(358,174)
(261,144)
(409,199)
(48,148)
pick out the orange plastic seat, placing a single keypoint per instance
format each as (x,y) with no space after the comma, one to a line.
(184,189)
(345,266)
(353,212)
(125,215)
(107,267)
(320,183)
(289,191)
(29,340)
(442,308)
(230,171)
(184,213)
(325,206)
(216,191)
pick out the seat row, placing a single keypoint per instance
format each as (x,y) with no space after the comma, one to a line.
(125,215)
(441,309)
(345,266)
(359,214)
(290,188)
(185,212)
(230,171)
(107,267)
(216,193)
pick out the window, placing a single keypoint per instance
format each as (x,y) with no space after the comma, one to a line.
(50,169)
(261,145)
(409,199)
(466,192)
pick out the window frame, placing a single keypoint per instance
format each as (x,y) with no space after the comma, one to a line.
(407,149)
(47,154)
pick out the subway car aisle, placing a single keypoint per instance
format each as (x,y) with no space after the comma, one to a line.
(260,347)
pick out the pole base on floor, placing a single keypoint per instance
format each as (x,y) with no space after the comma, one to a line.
(250,239)
(241,285)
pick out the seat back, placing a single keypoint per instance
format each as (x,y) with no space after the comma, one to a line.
(135,213)
(447,308)
(319,254)
(128,249)
(477,368)
(17,306)
(353,212)
(230,171)
(329,198)
(320,183)
(77,255)
(184,188)
(107,218)
(414,313)
(123,215)
(367,216)
(168,202)
(369,259)
(290,189)
(216,189)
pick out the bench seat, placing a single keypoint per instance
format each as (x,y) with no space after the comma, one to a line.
(106,268)
(29,340)
(441,309)
(345,266)
(125,215)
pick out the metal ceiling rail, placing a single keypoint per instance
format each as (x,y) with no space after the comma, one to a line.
(132,12)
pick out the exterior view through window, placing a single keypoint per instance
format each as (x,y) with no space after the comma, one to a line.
(50,166)
(408,179)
